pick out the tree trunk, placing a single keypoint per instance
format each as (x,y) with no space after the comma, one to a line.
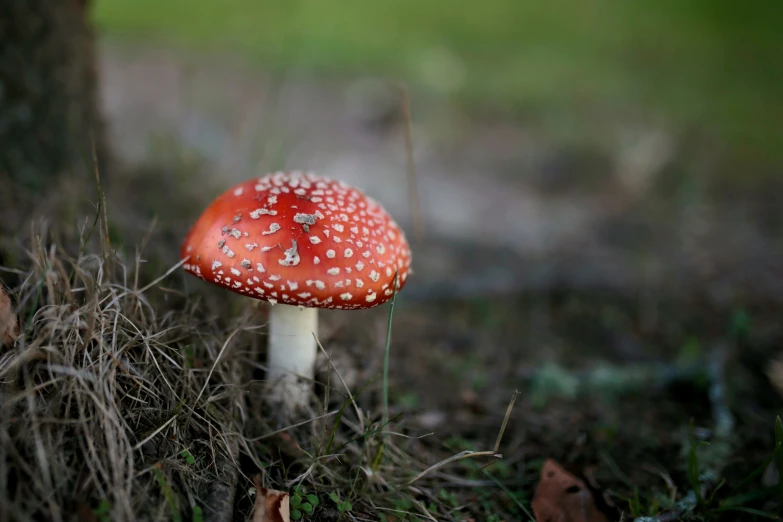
(49,113)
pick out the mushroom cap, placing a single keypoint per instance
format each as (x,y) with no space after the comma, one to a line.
(299,239)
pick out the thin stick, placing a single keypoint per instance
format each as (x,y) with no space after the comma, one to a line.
(472,454)
(347,389)
(413,185)
(164,276)
(386,354)
(505,420)
(459,456)
(152,435)
(308,421)
(214,365)
(101,194)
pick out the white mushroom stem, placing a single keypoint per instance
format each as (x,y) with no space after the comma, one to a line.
(291,354)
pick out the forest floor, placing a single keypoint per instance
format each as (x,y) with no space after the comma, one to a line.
(637,321)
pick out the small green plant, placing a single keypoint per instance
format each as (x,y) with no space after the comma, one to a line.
(168,493)
(103,511)
(343,506)
(302,503)
(448,497)
(693,472)
(189,458)
(198,514)
(740,323)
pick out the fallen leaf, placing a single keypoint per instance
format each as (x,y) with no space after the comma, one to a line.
(563,497)
(9,326)
(271,505)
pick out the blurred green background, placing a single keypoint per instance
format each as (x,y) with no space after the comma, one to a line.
(713,66)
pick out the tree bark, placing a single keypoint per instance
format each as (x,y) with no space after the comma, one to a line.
(49,110)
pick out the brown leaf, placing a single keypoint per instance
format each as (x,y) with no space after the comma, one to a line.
(9,326)
(563,497)
(271,505)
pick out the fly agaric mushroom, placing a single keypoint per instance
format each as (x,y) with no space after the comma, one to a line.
(302,242)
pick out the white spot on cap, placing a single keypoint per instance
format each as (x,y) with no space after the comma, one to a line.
(380,249)
(315,240)
(292,285)
(255,214)
(260,267)
(371,297)
(348,252)
(338,227)
(304,219)
(320,285)
(291,256)
(388,271)
(228,251)
(246,264)
(251,246)
(359,266)
(259,290)
(236,272)
(274,227)
(333,271)
(275,277)
(330,254)
(216,264)
(239,191)
(346,296)
(359,283)
(375,276)
(236,233)
(272,200)
(316,260)
(304,295)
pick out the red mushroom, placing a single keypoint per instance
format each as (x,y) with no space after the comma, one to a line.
(302,242)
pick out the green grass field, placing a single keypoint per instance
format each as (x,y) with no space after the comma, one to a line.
(709,65)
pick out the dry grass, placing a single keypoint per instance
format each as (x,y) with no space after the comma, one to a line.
(125,398)
(97,393)
(134,393)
